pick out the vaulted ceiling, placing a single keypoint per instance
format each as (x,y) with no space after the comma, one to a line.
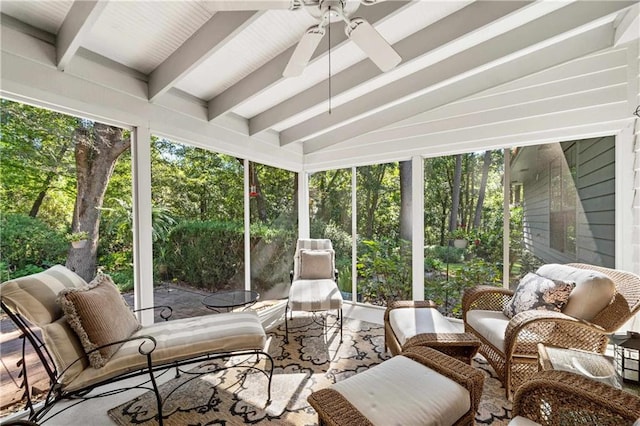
(227,58)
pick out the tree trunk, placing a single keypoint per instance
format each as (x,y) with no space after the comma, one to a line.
(97,150)
(483,188)
(405,200)
(261,206)
(455,195)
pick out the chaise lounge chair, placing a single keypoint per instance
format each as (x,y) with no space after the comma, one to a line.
(79,350)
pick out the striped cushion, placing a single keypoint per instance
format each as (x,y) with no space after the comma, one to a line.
(34,296)
(314,295)
(181,339)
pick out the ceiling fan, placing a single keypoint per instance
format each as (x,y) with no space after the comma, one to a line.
(360,31)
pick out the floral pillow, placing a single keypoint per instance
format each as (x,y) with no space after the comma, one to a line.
(536,292)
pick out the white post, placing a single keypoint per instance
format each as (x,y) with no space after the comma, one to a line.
(506,217)
(354,236)
(247,228)
(304,228)
(417,226)
(142,228)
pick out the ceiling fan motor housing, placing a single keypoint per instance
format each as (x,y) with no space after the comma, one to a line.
(332,10)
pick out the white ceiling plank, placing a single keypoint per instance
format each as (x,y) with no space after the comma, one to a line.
(203,43)
(271,72)
(591,64)
(595,121)
(487,54)
(510,112)
(75,28)
(583,44)
(463,22)
(580,81)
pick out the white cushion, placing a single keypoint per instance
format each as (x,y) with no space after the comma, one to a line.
(404,392)
(408,322)
(314,295)
(594,290)
(522,421)
(490,324)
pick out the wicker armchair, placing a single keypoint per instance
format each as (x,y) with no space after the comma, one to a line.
(516,361)
(568,399)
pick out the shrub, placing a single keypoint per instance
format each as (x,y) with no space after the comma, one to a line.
(384,270)
(446,254)
(26,242)
(205,254)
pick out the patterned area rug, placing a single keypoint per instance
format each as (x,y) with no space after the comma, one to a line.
(237,396)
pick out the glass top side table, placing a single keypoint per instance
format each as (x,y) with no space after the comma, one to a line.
(589,364)
(227,300)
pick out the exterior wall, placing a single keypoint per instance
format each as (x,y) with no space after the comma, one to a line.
(595,205)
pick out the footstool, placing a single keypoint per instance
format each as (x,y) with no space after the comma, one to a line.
(418,323)
(419,387)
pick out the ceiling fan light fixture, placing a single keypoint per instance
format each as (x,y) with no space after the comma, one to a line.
(369,40)
(303,52)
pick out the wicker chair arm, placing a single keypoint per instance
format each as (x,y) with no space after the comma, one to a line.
(165,311)
(398,304)
(456,370)
(342,412)
(560,397)
(527,329)
(485,297)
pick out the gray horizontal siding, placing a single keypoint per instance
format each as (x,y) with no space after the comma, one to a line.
(595,207)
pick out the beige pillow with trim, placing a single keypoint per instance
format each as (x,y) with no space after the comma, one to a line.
(99,315)
(594,290)
(316,264)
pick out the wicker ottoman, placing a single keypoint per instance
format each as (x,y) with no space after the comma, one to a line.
(420,386)
(418,323)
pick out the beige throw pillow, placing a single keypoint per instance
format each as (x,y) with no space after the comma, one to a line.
(536,292)
(99,315)
(316,264)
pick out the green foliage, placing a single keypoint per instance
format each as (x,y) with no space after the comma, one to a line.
(432,264)
(76,236)
(37,161)
(384,271)
(123,279)
(475,272)
(26,242)
(206,254)
(446,254)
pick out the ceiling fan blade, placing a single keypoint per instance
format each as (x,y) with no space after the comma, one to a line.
(373,44)
(303,52)
(228,5)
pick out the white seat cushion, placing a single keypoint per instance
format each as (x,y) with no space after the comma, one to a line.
(522,421)
(314,295)
(401,391)
(490,324)
(181,339)
(408,322)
